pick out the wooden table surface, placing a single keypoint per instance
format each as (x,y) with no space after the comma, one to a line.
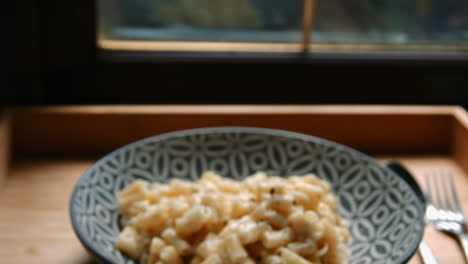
(35,225)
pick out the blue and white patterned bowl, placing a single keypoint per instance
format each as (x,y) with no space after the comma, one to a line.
(385,214)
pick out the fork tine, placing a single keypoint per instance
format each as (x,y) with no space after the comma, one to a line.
(453,190)
(438,191)
(447,190)
(445,214)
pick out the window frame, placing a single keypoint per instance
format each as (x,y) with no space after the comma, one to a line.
(306,45)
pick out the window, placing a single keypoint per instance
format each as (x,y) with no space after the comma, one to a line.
(415,25)
(284,25)
(207,25)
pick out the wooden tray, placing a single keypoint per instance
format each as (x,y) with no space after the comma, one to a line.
(43,152)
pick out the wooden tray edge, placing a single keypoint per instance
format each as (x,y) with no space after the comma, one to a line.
(451,122)
(244,109)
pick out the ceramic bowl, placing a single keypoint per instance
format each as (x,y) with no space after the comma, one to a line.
(384,212)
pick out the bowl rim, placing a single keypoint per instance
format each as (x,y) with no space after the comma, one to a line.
(235,129)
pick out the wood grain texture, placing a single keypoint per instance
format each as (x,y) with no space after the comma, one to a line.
(4,145)
(247,109)
(34,222)
(94,129)
(35,225)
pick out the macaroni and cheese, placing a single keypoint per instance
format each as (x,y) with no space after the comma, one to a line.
(216,220)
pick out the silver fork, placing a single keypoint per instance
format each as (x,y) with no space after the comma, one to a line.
(444,209)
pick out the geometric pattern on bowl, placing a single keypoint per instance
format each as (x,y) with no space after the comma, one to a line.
(385,215)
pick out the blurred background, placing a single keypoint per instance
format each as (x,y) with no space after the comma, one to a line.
(236,51)
(423,22)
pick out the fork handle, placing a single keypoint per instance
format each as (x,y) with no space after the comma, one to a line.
(426,253)
(464,242)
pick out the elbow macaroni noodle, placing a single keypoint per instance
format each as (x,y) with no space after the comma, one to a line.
(262,219)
